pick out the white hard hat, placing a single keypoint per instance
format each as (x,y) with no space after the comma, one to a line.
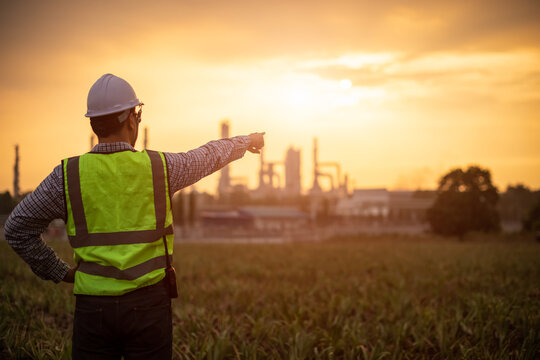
(110,94)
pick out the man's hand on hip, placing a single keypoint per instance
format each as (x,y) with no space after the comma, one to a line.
(70,276)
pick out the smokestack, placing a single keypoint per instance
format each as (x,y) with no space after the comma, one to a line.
(316,185)
(16,188)
(224,185)
(145,142)
(261,170)
(224,129)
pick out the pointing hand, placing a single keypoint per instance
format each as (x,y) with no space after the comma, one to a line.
(256,142)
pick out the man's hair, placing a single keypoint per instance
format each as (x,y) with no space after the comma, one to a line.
(108,124)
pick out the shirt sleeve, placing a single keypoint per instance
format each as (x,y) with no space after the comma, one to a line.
(187,168)
(30,218)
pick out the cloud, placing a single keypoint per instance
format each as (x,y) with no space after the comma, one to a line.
(218,30)
(503,76)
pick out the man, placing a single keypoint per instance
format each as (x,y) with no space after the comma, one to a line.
(116,203)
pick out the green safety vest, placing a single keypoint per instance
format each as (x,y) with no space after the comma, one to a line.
(118,210)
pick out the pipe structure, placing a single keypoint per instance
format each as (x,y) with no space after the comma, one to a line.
(329,176)
(240,180)
(337,166)
(341,184)
(271,174)
(266,169)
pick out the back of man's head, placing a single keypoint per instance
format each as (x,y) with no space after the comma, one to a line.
(110,101)
(110,124)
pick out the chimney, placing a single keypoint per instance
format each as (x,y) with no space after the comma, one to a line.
(224,185)
(316,185)
(145,143)
(16,188)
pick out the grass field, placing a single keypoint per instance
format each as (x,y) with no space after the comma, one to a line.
(363,298)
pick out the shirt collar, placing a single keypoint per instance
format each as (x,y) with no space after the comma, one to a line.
(112,147)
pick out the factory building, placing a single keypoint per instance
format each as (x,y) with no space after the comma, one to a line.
(293,181)
(410,206)
(264,219)
(365,203)
(393,206)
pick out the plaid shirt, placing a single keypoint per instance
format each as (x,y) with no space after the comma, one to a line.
(32,216)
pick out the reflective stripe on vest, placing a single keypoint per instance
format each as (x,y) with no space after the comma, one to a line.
(103,254)
(131,273)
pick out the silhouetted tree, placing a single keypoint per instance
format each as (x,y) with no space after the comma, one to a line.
(466,201)
(532,221)
(516,202)
(7,203)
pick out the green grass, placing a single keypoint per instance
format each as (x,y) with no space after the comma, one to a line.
(364,298)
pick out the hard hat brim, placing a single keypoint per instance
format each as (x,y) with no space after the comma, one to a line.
(114,109)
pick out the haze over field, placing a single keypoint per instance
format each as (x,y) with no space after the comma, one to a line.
(398,94)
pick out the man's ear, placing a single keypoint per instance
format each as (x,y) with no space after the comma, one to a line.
(132,120)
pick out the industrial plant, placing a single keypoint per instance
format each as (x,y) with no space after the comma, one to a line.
(279,209)
(282,179)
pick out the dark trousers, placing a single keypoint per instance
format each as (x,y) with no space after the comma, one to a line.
(137,325)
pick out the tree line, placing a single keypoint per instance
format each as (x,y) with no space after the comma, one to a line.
(468,201)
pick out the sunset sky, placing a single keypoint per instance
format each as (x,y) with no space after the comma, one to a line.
(398,94)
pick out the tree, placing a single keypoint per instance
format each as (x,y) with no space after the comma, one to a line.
(466,201)
(532,221)
(516,203)
(7,203)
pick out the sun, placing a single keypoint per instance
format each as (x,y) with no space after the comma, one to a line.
(345,84)
(300,95)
